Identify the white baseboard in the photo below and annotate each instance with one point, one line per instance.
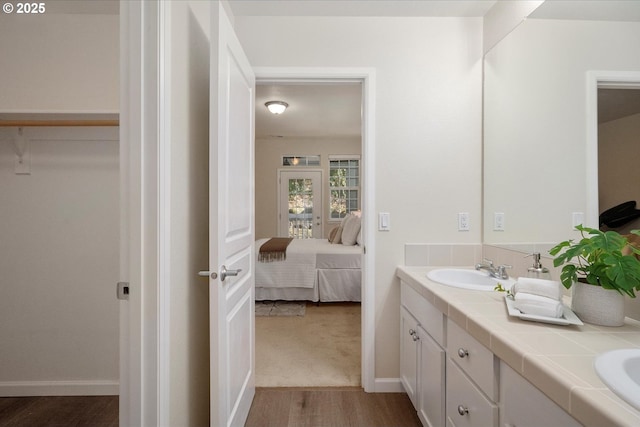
(58, 388)
(388, 385)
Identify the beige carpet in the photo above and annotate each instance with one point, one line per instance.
(319, 349)
(280, 308)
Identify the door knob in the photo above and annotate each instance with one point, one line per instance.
(207, 273)
(224, 273)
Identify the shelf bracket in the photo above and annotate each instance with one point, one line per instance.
(21, 146)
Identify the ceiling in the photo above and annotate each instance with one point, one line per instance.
(84, 7)
(459, 8)
(614, 104)
(315, 110)
(591, 10)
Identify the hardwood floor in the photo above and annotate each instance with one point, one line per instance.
(59, 411)
(310, 407)
(272, 407)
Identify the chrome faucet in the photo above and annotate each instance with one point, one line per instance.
(499, 272)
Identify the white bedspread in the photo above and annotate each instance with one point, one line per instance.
(304, 256)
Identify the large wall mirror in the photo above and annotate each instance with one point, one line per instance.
(540, 129)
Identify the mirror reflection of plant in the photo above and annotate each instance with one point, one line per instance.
(600, 258)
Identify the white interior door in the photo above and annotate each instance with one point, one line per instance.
(231, 233)
(300, 204)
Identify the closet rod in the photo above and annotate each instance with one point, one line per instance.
(35, 123)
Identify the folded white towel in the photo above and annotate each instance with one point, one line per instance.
(538, 305)
(544, 288)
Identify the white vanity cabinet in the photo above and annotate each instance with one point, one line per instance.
(472, 380)
(422, 357)
(523, 405)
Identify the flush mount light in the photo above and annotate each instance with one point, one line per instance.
(276, 107)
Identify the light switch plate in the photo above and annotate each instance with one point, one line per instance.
(384, 221)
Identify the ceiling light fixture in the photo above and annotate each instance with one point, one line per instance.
(276, 107)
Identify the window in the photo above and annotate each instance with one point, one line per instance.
(300, 160)
(344, 186)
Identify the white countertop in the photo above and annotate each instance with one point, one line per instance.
(556, 359)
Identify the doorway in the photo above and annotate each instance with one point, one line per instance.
(599, 81)
(618, 127)
(363, 78)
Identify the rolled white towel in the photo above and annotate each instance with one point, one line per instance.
(544, 288)
(538, 305)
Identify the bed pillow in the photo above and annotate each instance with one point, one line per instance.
(337, 238)
(334, 236)
(350, 230)
(359, 238)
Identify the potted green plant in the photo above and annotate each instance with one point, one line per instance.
(602, 267)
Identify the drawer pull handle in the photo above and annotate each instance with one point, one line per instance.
(416, 337)
(462, 410)
(412, 332)
(462, 353)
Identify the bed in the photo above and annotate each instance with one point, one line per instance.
(313, 270)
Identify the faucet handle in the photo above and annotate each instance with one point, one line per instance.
(502, 271)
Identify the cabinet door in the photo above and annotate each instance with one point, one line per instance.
(409, 354)
(431, 396)
(523, 405)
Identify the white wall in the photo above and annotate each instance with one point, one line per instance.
(428, 127)
(59, 63)
(59, 263)
(59, 225)
(270, 152)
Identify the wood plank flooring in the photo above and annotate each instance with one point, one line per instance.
(272, 407)
(59, 411)
(311, 407)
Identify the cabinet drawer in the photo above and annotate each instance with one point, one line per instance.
(474, 358)
(429, 317)
(466, 405)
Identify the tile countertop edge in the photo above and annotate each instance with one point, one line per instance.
(582, 401)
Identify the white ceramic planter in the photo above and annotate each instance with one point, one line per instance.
(596, 305)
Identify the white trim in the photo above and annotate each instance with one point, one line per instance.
(367, 77)
(59, 388)
(343, 157)
(164, 213)
(389, 385)
(139, 128)
(595, 80)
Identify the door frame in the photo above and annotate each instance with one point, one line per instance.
(367, 77)
(280, 195)
(145, 173)
(595, 80)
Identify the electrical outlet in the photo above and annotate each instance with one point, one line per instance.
(463, 221)
(498, 221)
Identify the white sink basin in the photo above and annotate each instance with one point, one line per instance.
(467, 279)
(620, 371)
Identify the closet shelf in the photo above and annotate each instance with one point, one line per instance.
(36, 123)
(20, 120)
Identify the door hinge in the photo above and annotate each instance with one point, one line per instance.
(122, 291)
